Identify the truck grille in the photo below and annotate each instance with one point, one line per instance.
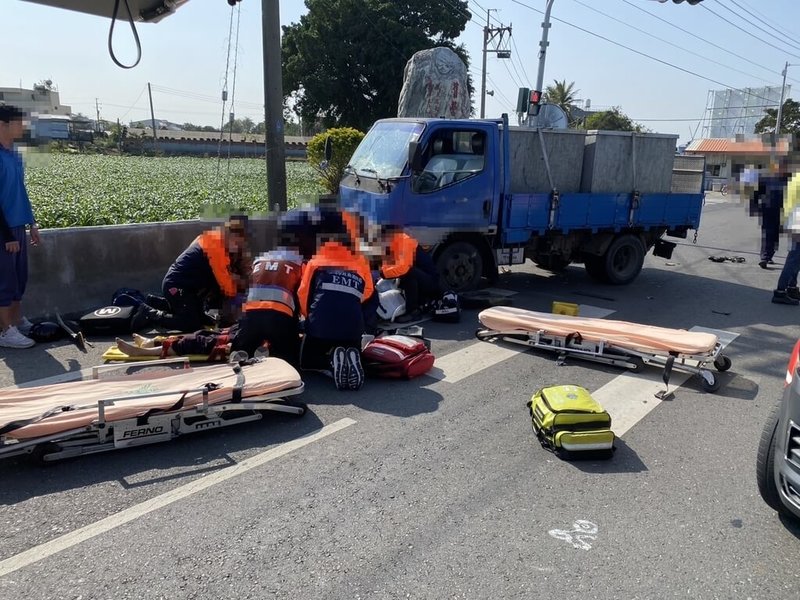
(793, 445)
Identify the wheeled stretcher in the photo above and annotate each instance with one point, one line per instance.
(141, 404)
(618, 343)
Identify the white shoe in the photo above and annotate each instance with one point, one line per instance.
(25, 326)
(12, 338)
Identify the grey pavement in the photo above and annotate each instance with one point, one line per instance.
(440, 490)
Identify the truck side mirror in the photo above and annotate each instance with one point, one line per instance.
(415, 157)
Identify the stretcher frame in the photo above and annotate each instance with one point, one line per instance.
(616, 355)
(104, 436)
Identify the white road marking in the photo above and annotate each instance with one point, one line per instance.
(492, 291)
(581, 531)
(594, 312)
(61, 378)
(64, 542)
(629, 397)
(469, 360)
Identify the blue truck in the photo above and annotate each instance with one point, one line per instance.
(481, 194)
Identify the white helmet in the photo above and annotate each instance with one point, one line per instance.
(391, 304)
(384, 285)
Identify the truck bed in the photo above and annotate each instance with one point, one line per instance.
(535, 214)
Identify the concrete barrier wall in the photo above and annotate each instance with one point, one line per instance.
(77, 269)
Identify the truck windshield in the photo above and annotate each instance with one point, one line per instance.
(384, 151)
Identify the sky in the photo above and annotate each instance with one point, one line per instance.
(690, 50)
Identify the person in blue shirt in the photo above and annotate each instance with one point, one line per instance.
(15, 215)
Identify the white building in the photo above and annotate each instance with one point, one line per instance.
(38, 100)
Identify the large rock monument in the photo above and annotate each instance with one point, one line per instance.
(435, 85)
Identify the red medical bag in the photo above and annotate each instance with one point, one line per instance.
(397, 357)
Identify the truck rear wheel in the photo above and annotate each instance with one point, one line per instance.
(460, 267)
(623, 260)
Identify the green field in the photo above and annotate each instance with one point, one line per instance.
(70, 190)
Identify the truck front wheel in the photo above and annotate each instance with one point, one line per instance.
(460, 267)
(623, 260)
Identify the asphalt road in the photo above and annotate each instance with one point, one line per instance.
(436, 487)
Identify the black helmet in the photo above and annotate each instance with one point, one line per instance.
(46, 331)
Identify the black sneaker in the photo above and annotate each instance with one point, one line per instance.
(341, 370)
(763, 264)
(782, 297)
(793, 293)
(356, 371)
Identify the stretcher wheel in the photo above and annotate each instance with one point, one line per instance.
(483, 334)
(714, 385)
(300, 405)
(722, 363)
(638, 364)
(40, 451)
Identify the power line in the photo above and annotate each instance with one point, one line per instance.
(639, 52)
(768, 32)
(521, 64)
(511, 75)
(772, 23)
(144, 87)
(202, 97)
(496, 20)
(694, 119)
(500, 93)
(701, 39)
(763, 41)
(674, 45)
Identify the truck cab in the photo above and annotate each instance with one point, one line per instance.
(438, 179)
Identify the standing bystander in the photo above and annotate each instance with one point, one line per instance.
(787, 291)
(15, 214)
(770, 194)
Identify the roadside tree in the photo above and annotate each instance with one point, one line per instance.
(562, 95)
(790, 118)
(344, 141)
(348, 56)
(612, 120)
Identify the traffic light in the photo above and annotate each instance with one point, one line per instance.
(535, 100)
(692, 2)
(522, 100)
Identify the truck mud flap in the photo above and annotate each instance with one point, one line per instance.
(664, 249)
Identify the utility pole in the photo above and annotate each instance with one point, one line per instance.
(543, 44)
(489, 34)
(780, 106)
(97, 122)
(152, 117)
(273, 104)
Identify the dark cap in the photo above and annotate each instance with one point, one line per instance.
(10, 113)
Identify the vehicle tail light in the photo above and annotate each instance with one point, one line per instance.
(791, 369)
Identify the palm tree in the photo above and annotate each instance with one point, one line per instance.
(562, 95)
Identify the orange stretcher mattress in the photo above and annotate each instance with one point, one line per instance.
(621, 334)
(66, 406)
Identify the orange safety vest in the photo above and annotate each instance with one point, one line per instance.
(274, 282)
(402, 251)
(213, 245)
(333, 254)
